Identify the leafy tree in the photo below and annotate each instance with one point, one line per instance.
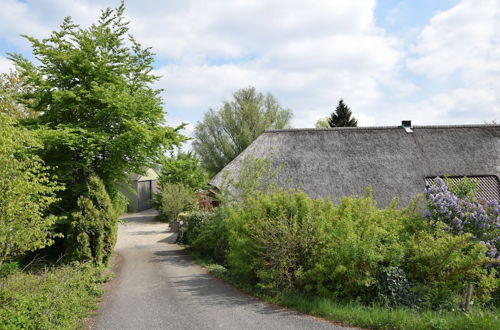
(322, 123)
(342, 117)
(98, 112)
(183, 168)
(12, 85)
(26, 191)
(225, 133)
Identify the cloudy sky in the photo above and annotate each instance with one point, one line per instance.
(431, 61)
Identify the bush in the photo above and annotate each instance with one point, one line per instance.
(26, 193)
(274, 239)
(93, 229)
(57, 298)
(192, 227)
(173, 199)
(208, 235)
(362, 241)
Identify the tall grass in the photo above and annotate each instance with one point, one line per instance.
(378, 317)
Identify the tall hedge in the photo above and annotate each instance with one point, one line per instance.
(93, 229)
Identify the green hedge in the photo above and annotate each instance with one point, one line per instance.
(285, 241)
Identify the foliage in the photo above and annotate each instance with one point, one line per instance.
(183, 168)
(194, 222)
(225, 133)
(440, 264)
(98, 112)
(464, 187)
(26, 192)
(256, 175)
(322, 123)
(275, 238)
(342, 117)
(58, 298)
(12, 85)
(362, 240)
(208, 235)
(217, 270)
(173, 199)
(393, 288)
(284, 240)
(93, 229)
(8, 268)
(464, 214)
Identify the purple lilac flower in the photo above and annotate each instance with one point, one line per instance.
(461, 215)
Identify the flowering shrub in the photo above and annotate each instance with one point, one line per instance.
(465, 214)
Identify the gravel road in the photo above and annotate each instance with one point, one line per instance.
(158, 287)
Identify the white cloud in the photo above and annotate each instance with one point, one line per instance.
(461, 48)
(463, 40)
(5, 65)
(307, 54)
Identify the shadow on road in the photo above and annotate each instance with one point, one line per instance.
(209, 290)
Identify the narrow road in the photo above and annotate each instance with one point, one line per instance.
(158, 287)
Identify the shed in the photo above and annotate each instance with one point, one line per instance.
(143, 186)
(396, 161)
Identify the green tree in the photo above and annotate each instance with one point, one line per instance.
(342, 117)
(26, 191)
(225, 133)
(183, 168)
(322, 123)
(12, 85)
(98, 112)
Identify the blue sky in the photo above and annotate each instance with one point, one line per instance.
(431, 61)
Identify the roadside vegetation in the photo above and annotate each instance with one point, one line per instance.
(73, 125)
(354, 262)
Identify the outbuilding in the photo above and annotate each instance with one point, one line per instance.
(143, 186)
(396, 161)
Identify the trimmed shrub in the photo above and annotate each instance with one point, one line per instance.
(93, 229)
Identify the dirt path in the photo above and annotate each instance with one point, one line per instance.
(158, 287)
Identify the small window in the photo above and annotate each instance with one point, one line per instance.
(489, 185)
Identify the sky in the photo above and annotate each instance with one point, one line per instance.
(430, 61)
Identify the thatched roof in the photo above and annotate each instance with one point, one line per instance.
(340, 162)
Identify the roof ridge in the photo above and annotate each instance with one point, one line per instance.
(380, 127)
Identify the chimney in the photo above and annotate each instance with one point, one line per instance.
(407, 126)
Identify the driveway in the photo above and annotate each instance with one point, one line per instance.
(157, 286)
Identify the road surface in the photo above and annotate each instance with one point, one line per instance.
(157, 286)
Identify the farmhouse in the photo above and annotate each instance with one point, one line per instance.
(395, 161)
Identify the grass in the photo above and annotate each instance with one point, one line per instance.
(53, 298)
(356, 314)
(377, 317)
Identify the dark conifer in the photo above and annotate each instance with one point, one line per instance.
(342, 117)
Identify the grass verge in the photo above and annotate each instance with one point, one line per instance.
(377, 317)
(356, 314)
(54, 298)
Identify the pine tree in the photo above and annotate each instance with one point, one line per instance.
(342, 117)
